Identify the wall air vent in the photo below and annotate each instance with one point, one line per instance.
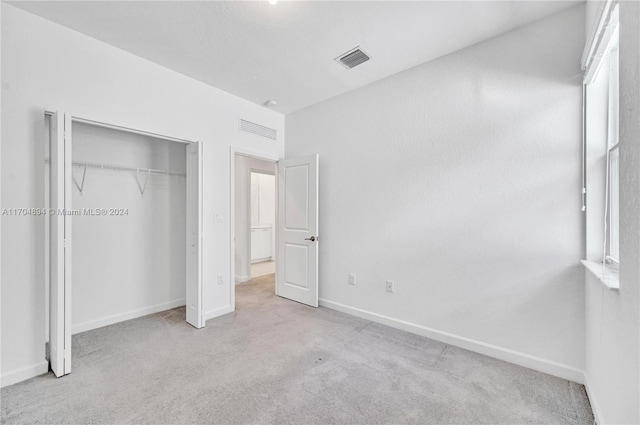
(352, 58)
(257, 129)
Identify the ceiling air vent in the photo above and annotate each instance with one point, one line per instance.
(257, 129)
(353, 58)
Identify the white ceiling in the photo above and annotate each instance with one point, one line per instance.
(286, 52)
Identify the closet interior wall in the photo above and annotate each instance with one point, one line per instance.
(132, 261)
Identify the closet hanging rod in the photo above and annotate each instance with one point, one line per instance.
(122, 168)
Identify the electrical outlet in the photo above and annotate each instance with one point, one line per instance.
(217, 218)
(389, 285)
(220, 279)
(352, 278)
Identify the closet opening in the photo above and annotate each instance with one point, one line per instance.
(123, 226)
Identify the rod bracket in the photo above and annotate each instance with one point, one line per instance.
(142, 186)
(81, 185)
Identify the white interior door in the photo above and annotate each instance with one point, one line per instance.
(194, 235)
(60, 245)
(297, 261)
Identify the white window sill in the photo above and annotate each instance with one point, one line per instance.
(608, 276)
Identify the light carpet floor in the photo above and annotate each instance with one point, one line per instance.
(280, 362)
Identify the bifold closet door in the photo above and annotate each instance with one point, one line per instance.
(60, 248)
(194, 235)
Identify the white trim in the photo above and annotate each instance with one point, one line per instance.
(125, 129)
(241, 279)
(607, 275)
(522, 359)
(116, 318)
(261, 260)
(600, 40)
(595, 408)
(596, 29)
(24, 373)
(217, 312)
(253, 154)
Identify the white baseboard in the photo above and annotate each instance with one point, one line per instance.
(217, 312)
(116, 318)
(261, 260)
(594, 403)
(522, 359)
(23, 374)
(240, 279)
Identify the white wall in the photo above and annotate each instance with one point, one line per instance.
(244, 165)
(47, 66)
(266, 208)
(612, 366)
(592, 11)
(267, 213)
(128, 265)
(460, 180)
(255, 200)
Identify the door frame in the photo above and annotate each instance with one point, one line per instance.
(233, 151)
(47, 227)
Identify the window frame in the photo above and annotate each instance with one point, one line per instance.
(612, 213)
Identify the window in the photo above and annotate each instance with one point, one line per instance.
(612, 231)
(601, 151)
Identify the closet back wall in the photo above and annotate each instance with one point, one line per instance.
(127, 265)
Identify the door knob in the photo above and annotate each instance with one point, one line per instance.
(312, 239)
